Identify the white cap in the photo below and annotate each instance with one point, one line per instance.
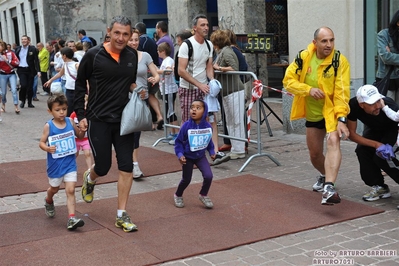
(368, 94)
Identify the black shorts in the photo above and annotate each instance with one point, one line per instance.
(102, 136)
(320, 124)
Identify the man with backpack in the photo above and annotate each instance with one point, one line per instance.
(195, 68)
(320, 80)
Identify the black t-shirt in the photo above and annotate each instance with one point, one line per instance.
(377, 123)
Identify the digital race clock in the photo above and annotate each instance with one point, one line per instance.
(256, 42)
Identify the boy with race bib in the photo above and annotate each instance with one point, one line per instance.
(194, 138)
(58, 140)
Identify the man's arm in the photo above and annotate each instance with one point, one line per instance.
(84, 71)
(292, 82)
(353, 136)
(342, 88)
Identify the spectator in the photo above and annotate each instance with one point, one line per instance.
(388, 56)
(148, 45)
(194, 74)
(28, 67)
(83, 38)
(163, 36)
(234, 95)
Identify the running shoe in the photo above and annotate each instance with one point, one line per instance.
(74, 223)
(49, 209)
(221, 157)
(87, 188)
(125, 223)
(330, 196)
(206, 201)
(137, 173)
(319, 185)
(377, 192)
(179, 203)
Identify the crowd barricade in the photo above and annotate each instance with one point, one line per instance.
(236, 110)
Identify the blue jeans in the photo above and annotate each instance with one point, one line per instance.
(4, 79)
(35, 87)
(63, 82)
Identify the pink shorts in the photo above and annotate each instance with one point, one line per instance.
(82, 144)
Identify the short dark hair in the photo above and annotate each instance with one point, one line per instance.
(68, 52)
(82, 31)
(61, 43)
(123, 20)
(196, 18)
(162, 25)
(141, 27)
(56, 98)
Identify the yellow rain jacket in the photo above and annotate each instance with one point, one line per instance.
(336, 89)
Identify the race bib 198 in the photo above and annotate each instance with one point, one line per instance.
(65, 144)
(199, 138)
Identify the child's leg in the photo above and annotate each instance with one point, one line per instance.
(87, 154)
(187, 174)
(71, 200)
(70, 184)
(204, 167)
(51, 191)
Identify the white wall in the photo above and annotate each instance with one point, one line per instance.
(344, 17)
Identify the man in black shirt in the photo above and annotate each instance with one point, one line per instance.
(367, 107)
(111, 70)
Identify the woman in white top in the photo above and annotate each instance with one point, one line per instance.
(70, 70)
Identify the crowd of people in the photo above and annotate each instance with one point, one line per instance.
(96, 82)
(87, 86)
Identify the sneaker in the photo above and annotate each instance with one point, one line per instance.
(74, 223)
(170, 136)
(330, 196)
(179, 203)
(221, 157)
(1, 119)
(206, 201)
(319, 185)
(172, 141)
(235, 156)
(49, 209)
(376, 193)
(125, 223)
(137, 173)
(44, 93)
(87, 188)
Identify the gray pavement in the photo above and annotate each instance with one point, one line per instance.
(19, 142)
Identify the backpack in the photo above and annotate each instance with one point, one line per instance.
(334, 62)
(93, 42)
(190, 54)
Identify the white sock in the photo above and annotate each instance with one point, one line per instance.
(135, 163)
(119, 213)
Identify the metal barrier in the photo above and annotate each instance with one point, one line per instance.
(236, 99)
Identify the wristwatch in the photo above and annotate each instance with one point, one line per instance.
(342, 119)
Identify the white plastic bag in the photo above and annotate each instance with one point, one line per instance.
(56, 88)
(136, 116)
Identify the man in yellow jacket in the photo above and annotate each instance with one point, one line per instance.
(322, 92)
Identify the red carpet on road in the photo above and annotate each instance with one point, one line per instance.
(30, 176)
(247, 209)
